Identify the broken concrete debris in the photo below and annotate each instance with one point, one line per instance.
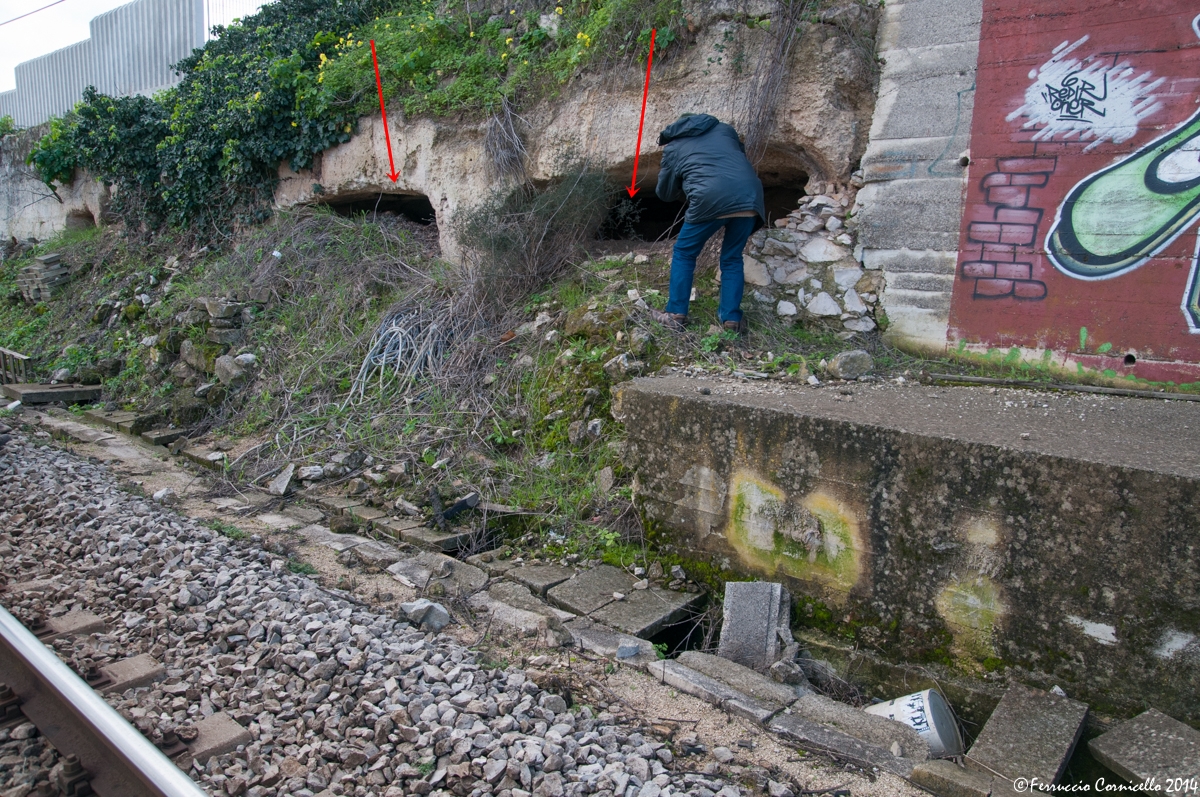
(1031, 734)
(1151, 745)
(757, 616)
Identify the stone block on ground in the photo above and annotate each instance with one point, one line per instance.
(1030, 734)
(216, 735)
(711, 690)
(337, 503)
(754, 614)
(1151, 745)
(879, 731)
(426, 614)
(140, 670)
(590, 590)
(817, 737)
(304, 514)
(540, 578)
(75, 623)
(851, 364)
(645, 612)
(948, 779)
(743, 679)
(280, 484)
(342, 542)
(428, 569)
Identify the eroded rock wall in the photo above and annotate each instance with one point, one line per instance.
(28, 208)
(823, 116)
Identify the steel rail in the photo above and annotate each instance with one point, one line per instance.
(120, 762)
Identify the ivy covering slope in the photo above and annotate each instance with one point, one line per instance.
(291, 81)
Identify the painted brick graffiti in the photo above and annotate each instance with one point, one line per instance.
(1005, 241)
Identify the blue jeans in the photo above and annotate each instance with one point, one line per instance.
(683, 264)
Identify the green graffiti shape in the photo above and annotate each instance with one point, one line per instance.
(1117, 218)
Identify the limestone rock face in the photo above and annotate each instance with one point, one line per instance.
(824, 114)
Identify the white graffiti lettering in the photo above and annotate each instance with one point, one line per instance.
(1092, 99)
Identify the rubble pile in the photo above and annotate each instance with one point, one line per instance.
(39, 282)
(808, 267)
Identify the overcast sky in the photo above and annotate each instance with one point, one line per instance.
(45, 31)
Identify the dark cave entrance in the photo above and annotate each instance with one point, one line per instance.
(414, 207)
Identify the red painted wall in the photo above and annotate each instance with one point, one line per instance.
(1076, 102)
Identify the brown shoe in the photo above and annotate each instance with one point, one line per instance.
(675, 321)
(738, 328)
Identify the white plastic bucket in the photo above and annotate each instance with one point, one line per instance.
(928, 714)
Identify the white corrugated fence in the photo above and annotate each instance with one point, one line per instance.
(130, 51)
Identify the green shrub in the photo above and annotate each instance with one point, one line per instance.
(7, 125)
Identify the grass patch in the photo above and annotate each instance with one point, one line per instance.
(227, 530)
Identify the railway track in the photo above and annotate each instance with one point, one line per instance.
(105, 755)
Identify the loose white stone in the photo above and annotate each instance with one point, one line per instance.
(824, 305)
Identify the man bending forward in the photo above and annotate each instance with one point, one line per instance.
(704, 161)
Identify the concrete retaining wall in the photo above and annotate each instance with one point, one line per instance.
(28, 208)
(928, 529)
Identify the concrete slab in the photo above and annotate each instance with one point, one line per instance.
(342, 542)
(395, 527)
(743, 679)
(44, 394)
(141, 670)
(509, 618)
(1030, 734)
(337, 503)
(520, 596)
(489, 563)
(755, 611)
(879, 731)
(162, 437)
(216, 735)
(947, 779)
(278, 521)
(76, 623)
(1151, 745)
(304, 514)
(435, 540)
(377, 554)
(540, 578)
(646, 612)
(815, 736)
(679, 676)
(427, 568)
(366, 514)
(112, 419)
(590, 590)
(599, 638)
(205, 458)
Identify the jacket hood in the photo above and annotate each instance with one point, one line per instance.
(696, 125)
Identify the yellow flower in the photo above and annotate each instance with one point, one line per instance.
(558, 10)
(257, 95)
(294, 124)
(472, 34)
(513, 11)
(347, 128)
(508, 40)
(503, 56)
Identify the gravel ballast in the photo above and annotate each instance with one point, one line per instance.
(335, 697)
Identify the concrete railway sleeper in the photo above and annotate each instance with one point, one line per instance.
(107, 755)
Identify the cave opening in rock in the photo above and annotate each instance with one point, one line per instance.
(414, 207)
(645, 217)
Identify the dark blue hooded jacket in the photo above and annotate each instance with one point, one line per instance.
(704, 161)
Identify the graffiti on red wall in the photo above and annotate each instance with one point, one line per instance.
(1084, 183)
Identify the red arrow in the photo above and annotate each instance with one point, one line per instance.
(395, 175)
(633, 189)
